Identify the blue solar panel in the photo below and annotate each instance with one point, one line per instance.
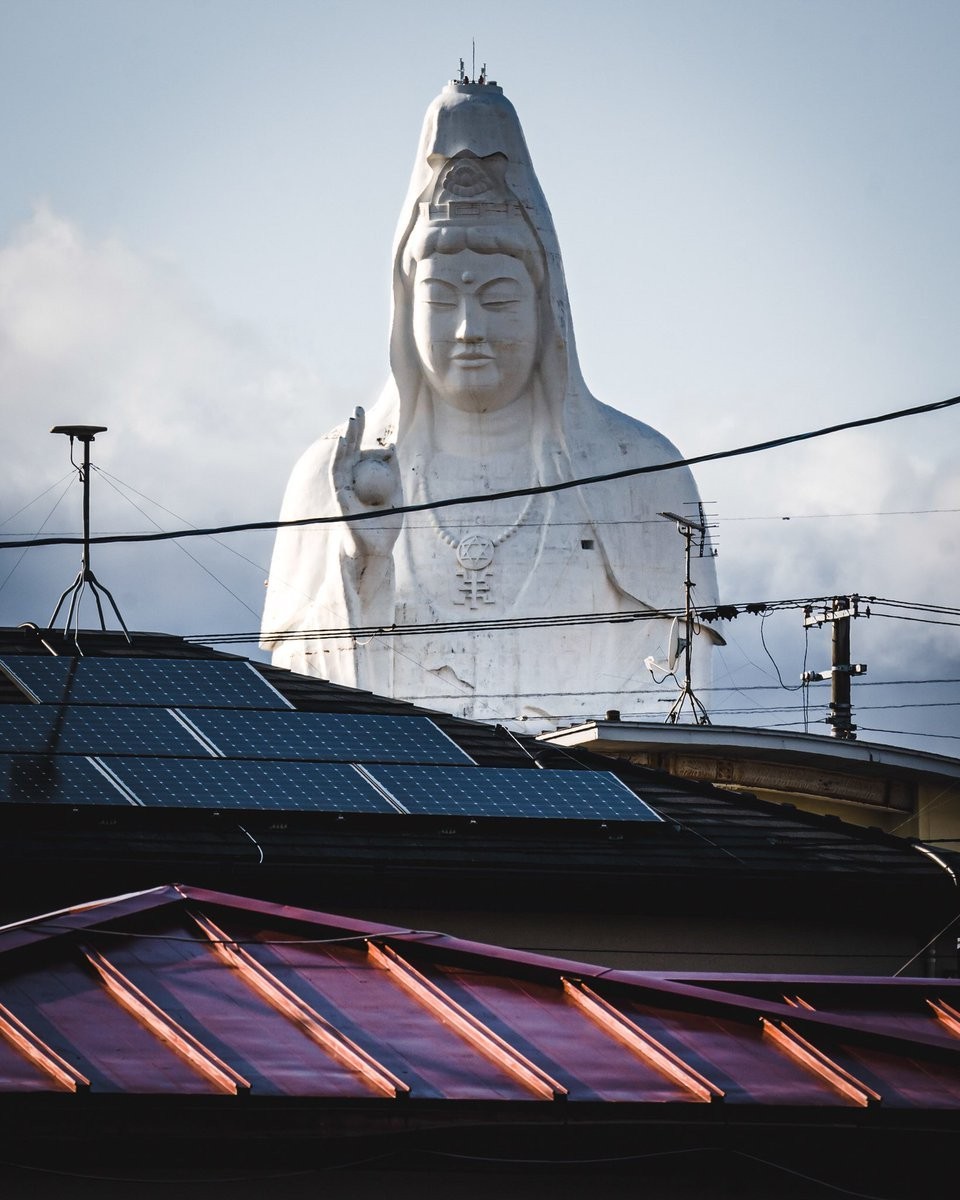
(56, 779)
(155, 682)
(327, 737)
(94, 729)
(274, 786)
(509, 792)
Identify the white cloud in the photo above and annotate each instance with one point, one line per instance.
(203, 418)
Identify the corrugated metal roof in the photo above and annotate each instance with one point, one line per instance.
(183, 992)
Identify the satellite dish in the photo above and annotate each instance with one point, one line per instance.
(674, 646)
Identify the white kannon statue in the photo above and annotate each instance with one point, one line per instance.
(485, 395)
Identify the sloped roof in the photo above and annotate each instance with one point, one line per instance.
(182, 992)
(707, 837)
(185, 991)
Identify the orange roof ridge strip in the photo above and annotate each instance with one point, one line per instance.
(643, 1044)
(809, 1056)
(744, 1007)
(80, 918)
(282, 998)
(799, 1002)
(947, 1015)
(39, 1053)
(163, 1026)
(464, 1023)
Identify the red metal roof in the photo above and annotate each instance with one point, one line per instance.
(182, 992)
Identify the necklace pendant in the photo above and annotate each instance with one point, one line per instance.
(474, 591)
(475, 556)
(475, 552)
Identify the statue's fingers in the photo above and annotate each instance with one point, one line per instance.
(339, 457)
(353, 434)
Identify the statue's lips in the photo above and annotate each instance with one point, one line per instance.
(472, 360)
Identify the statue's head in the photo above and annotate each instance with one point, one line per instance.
(474, 270)
(480, 307)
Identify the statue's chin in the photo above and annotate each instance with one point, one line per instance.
(477, 400)
(476, 404)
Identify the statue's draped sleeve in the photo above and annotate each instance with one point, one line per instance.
(316, 584)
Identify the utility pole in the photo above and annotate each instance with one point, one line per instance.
(843, 610)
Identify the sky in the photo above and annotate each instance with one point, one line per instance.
(756, 202)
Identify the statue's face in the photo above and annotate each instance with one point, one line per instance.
(475, 328)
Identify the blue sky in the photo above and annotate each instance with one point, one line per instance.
(756, 201)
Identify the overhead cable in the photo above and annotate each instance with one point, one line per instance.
(707, 617)
(488, 497)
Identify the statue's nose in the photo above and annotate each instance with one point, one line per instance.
(471, 327)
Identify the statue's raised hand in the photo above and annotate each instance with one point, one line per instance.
(364, 481)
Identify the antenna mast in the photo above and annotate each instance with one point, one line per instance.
(687, 528)
(84, 434)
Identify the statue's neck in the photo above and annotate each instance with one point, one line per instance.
(482, 436)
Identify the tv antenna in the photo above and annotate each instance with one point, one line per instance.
(473, 77)
(684, 645)
(84, 434)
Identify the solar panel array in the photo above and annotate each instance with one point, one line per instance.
(214, 734)
(96, 729)
(51, 779)
(507, 792)
(154, 682)
(329, 737)
(225, 784)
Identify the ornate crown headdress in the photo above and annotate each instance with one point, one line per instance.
(469, 189)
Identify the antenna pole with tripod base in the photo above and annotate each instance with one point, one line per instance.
(84, 434)
(687, 528)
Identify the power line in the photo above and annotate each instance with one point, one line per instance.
(118, 484)
(707, 617)
(535, 524)
(489, 497)
(917, 606)
(917, 620)
(893, 512)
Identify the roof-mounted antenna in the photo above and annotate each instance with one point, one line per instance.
(687, 529)
(84, 434)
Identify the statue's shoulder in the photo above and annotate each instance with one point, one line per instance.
(308, 488)
(616, 438)
(318, 455)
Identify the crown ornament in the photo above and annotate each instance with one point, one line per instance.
(468, 189)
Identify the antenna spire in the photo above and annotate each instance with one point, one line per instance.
(84, 434)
